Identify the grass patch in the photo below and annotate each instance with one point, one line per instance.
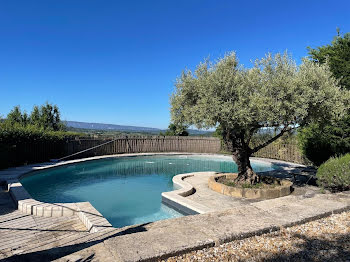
(266, 182)
(229, 183)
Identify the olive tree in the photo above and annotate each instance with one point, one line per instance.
(274, 93)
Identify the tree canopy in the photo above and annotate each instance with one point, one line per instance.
(275, 92)
(16, 116)
(175, 130)
(337, 54)
(319, 141)
(46, 116)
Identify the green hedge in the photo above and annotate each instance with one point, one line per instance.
(320, 142)
(24, 145)
(334, 174)
(19, 134)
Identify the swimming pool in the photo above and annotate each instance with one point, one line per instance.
(125, 190)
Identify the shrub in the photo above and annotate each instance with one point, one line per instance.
(16, 133)
(334, 174)
(28, 144)
(35, 138)
(320, 142)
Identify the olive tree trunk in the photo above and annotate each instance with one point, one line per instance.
(245, 171)
(236, 144)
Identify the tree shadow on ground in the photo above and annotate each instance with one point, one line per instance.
(315, 249)
(59, 252)
(6, 203)
(300, 176)
(4, 210)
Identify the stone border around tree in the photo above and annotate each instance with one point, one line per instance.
(252, 193)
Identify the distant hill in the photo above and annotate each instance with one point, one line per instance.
(121, 128)
(111, 127)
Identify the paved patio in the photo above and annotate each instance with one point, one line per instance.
(209, 198)
(21, 233)
(29, 238)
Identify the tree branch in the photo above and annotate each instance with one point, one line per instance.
(251, 133)
(284, 130)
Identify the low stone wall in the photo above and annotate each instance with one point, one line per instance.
(253, 193)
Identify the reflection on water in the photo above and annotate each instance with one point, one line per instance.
(125, 190)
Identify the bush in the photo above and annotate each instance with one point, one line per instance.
(320, 142)
(334, 174)
(17, 133)
(29, 144)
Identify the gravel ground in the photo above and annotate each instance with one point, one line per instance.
(326, 239)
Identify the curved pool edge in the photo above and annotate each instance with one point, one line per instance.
(177, 200)
(91, 217)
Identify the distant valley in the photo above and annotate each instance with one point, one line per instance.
(75, 125)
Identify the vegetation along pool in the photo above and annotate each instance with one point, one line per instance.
(126, 190)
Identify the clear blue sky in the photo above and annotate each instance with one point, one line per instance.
(116, 61)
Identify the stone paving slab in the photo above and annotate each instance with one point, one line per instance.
(175, 236)
(22, 233)
(209, 198)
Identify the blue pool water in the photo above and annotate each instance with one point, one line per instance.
(126, 190)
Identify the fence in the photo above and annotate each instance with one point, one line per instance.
(14, 155)
(288, 151)
(143, 145)
(30, 152)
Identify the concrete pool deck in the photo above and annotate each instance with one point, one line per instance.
(225, 219)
